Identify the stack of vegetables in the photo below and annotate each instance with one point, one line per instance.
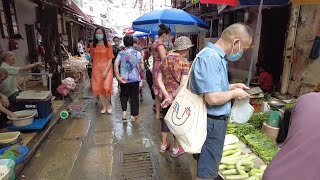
(262, 146)
(235, 165)
(240, 130)
(258, 142)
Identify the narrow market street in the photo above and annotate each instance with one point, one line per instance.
(85, 86)
(90, 147)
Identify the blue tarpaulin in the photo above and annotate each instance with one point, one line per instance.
(265, 2)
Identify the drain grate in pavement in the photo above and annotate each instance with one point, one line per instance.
(137, 166)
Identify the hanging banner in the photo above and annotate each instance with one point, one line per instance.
(221, 7)
(226, 2)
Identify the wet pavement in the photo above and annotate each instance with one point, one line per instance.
(92, 146)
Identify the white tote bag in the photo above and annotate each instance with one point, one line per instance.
(187, 119)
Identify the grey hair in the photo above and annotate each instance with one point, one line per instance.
(237, 31)
(4, 55)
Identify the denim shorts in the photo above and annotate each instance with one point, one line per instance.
(211, 152)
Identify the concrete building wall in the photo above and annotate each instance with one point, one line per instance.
(305, 73)
(26, 14)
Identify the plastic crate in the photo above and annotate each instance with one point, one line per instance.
(44, 108)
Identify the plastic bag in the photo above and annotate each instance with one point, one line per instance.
(5, 165)
(241, 111)
(69, 83)
(265, 107)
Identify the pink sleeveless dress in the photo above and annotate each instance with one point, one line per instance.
(156, 66)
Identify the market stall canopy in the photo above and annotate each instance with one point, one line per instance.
(178, 20)
(80, 12)
(300, 2)
(257, 2)
(265, 2)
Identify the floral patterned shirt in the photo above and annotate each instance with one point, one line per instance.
(130, 60)
(172, 69)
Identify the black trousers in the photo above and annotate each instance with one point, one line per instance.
(150, 82)
(284, 126)
(130, 90)
(164, 127)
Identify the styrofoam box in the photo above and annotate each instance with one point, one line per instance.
(38, 95)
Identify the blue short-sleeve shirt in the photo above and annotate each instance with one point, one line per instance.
(210, 74)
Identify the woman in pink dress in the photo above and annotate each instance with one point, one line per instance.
(159, 53)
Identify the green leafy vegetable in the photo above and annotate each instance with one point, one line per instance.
(262, 146)
(290, 104)
(240, 130)
(257, 119)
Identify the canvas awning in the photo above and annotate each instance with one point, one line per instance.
(73, 8)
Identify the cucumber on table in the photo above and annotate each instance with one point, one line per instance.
(222, 167)
(237, 177)
(243, 163)
(231, 146)
(229, 172)
(228, 152)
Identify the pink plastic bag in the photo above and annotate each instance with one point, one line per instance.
(63, 90)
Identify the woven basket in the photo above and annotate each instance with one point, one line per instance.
(270, 131)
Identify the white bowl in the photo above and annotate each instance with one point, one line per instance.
(9, 137)
(25, 118)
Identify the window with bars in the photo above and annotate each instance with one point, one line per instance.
(9, 24)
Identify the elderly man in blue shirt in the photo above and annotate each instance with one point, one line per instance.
(210, 77)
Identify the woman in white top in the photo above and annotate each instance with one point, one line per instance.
(80, 47)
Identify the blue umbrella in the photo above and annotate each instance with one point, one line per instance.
(139, 34)
(178, 20)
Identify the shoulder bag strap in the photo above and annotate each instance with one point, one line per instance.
(188, 84)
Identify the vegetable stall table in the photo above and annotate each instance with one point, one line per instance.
(228, 170)
(246, 154)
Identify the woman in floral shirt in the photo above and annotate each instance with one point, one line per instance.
(131, 64)
(173, 75)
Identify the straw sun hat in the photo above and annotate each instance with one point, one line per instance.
(182, 43)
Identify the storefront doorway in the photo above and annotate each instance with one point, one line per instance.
(272, 42)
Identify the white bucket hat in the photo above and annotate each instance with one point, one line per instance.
(182, 43)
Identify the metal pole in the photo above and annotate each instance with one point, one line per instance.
(152, 5)
(255, 50)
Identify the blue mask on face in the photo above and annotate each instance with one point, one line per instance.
(235, 56)
(99, 37)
